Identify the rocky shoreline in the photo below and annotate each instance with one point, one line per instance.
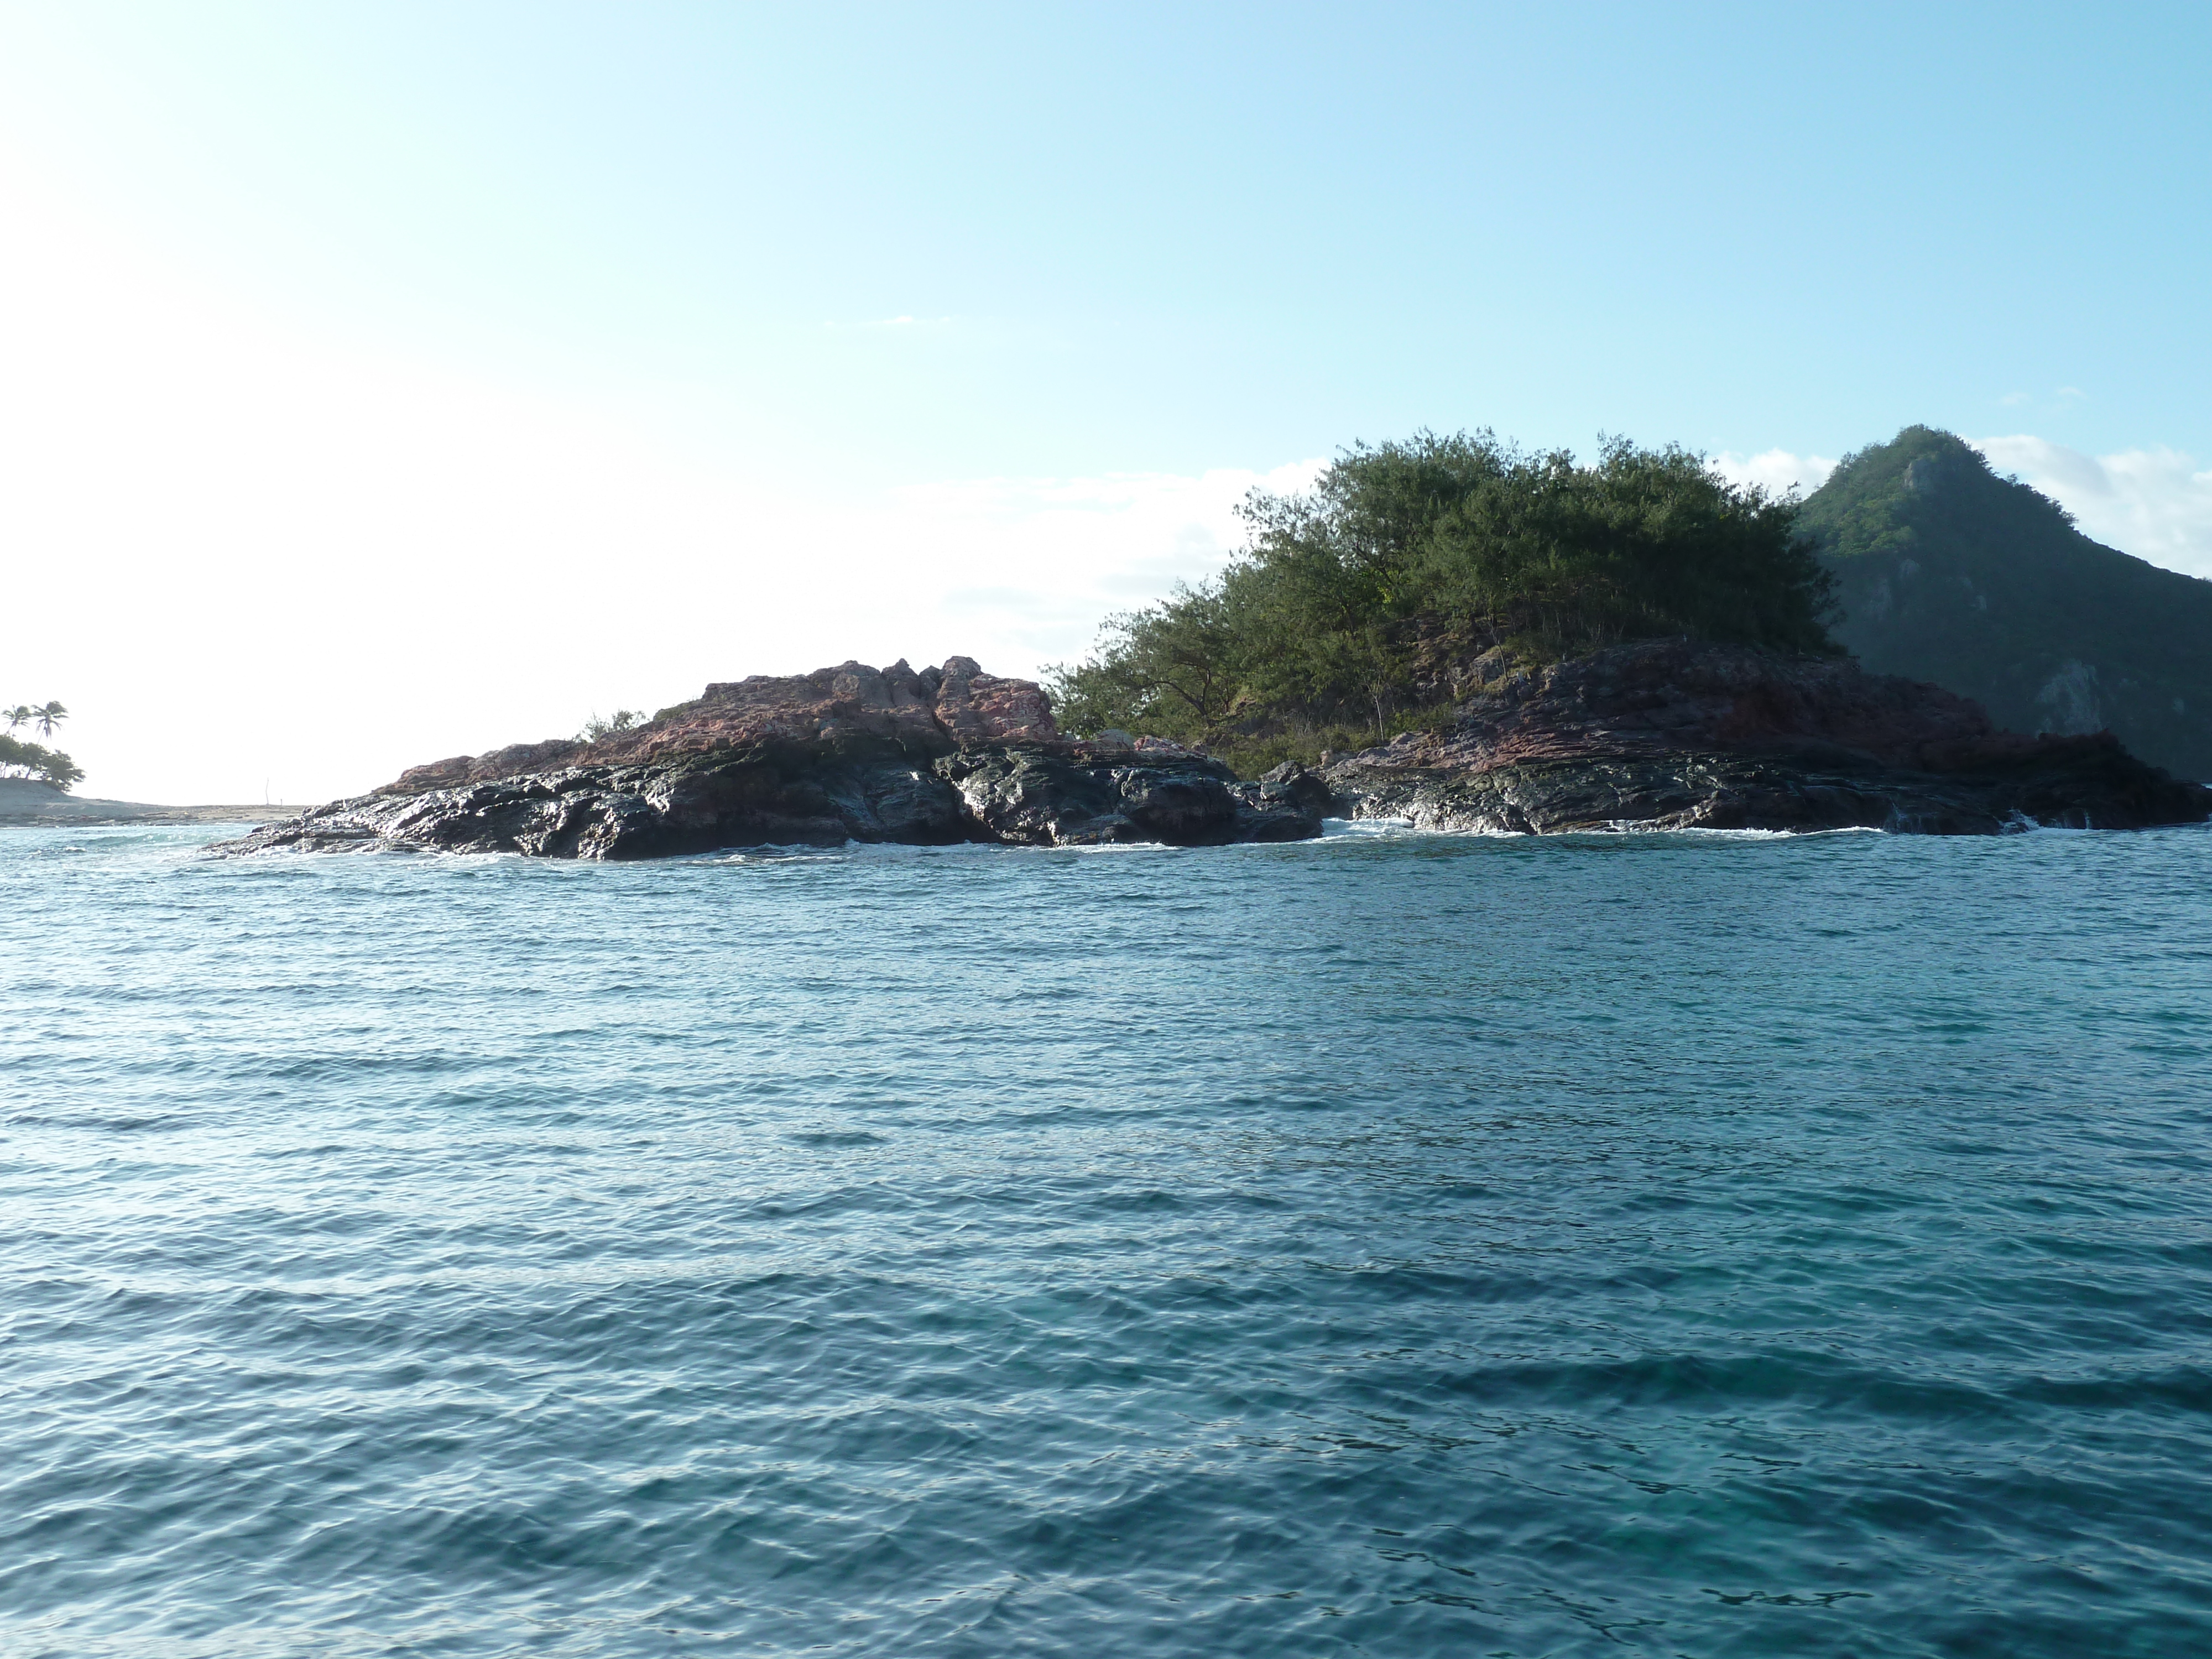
(1658, 735)
(1668, 734)
(850, 753)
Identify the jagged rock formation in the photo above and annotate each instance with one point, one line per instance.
(1669, 735)
(850, 753)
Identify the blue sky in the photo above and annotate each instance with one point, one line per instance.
(852, 323)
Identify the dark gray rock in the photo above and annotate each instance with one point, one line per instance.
(1297, 785)
(1041, 798)
(849, 753)
(805, 795)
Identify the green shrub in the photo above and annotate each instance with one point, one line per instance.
(1413, 570)
(19, 759)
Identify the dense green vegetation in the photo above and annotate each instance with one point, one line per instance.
(20, 759)
(1947, 571)
(1415, 572)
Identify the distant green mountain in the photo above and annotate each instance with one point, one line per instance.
(1947, 571)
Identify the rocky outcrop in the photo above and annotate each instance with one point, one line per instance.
(929, 713)
(849, 753)
(1659, 735)
(1668, 734)
(1036, 797)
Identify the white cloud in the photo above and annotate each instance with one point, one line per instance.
(1775, 471)
(242, 552)
(2154, 503)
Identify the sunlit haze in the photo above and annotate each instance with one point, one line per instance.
(384, 383)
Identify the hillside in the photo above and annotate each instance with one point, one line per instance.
(1945, 571)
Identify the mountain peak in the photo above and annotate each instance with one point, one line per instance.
(1931, 464)
(1947, 571)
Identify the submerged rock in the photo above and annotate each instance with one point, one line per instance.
(1669, 735)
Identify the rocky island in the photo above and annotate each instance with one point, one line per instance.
(1657, 734)
(850, 753)
(1450, 631)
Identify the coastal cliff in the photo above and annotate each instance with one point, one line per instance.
(1660, 734)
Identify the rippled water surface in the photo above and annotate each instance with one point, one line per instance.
(1391, 1245)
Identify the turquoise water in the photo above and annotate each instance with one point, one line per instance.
(1390, 1245)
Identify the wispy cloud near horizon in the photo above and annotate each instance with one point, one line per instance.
(2154, 503)
(366, 560)
(1775, 471)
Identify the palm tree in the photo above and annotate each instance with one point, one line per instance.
(47, 717)
(20, 713)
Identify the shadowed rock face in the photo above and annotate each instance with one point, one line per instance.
(1668, 734)
(849, 753)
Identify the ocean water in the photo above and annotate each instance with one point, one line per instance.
(1391, 1245)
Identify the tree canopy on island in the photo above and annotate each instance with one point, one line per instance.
(1413, 571)
(19, 759)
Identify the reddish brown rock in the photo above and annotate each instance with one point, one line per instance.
(1666, 694)
(975, 707)
(931, 712)
(1670, 734)
(514, 759)
(851, 702)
